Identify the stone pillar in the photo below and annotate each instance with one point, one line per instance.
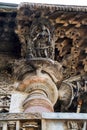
(38, 78)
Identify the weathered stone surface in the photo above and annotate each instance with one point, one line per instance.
(16, 105)
(64, 26)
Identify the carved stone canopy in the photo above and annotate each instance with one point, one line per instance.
(49, 31)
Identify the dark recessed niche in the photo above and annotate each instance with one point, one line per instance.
(9, 41)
